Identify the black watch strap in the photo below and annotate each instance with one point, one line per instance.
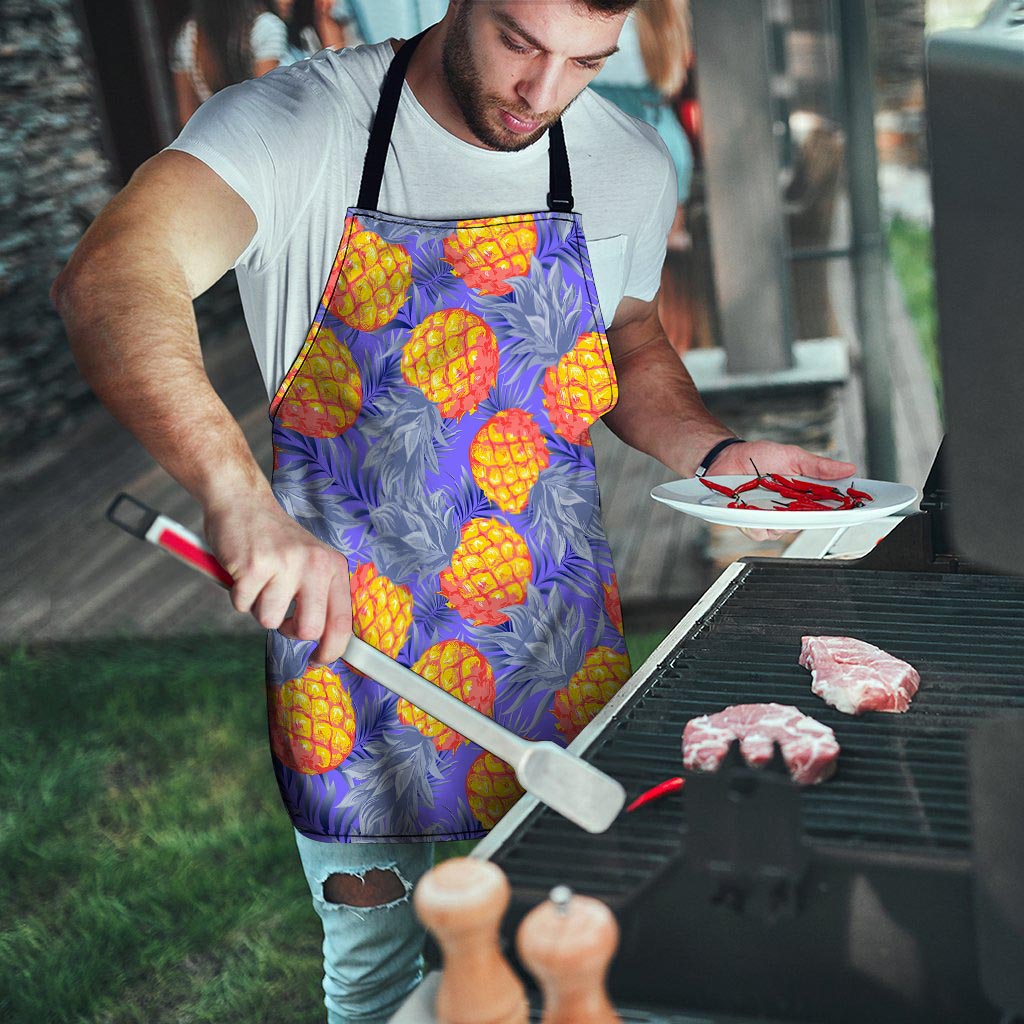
(705, 463)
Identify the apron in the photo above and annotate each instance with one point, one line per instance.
(435, 429)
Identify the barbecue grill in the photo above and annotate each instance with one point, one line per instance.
(893, 892)
(848, 901)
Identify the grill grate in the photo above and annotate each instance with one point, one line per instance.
(902, 779)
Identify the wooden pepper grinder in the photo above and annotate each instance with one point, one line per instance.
(567, 943)
(462, 901)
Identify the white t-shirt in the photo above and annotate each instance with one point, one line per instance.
(292, 144)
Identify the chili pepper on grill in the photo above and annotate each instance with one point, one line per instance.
(656, 793)
(720, 488)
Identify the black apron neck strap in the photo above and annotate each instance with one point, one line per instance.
(383, 123)
(559, 197)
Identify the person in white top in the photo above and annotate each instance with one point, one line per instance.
(314, 25)
(221, 43)
(477, 124)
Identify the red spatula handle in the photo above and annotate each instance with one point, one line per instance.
(147, 524)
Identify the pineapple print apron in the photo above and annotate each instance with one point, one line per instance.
(435, 429)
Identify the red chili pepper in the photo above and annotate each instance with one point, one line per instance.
(656, 793)
(779, 488)
(863, 495)
(815, 490)
(749, 485)
(793, 485)
(787, 492)
(806, 505)
(720, 488)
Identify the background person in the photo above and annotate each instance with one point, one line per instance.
(647, 75)
(313, 25)
(224, 42)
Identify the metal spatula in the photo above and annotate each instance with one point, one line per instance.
(573, 788)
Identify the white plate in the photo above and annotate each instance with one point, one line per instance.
(693, 498)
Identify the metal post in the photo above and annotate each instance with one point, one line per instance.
(748, 236)
(868, 239)
(154, 64)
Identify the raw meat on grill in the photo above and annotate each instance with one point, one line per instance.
(855, 677)
(809, 748)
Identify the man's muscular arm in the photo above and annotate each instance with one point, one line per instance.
(660, 411)
(126, 300)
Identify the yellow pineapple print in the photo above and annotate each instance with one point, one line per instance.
(602, 674)
(491, 788)
(370, 279)
(506, 457)
(312, 722)
(325, 395)
(580, 388)
(489, 571)
(485, 252)
(452, 357)
(459, 669)
(381, 610)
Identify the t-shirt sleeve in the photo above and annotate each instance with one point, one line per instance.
(269, 38)
(650, 243)
(264, 138)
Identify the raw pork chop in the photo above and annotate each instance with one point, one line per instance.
(855, 677)
(809, 748)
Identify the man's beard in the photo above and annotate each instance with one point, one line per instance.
(463, 80)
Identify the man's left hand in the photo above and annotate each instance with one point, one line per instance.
(771, 457)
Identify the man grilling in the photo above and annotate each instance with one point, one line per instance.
(449, 253)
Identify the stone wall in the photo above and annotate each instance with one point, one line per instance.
(54, 178)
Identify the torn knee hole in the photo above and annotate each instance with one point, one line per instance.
(373, 889)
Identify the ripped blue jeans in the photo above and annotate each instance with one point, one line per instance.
(372, 953)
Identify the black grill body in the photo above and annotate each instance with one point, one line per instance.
(745, 895)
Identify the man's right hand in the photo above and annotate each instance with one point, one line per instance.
(163, 240)
(274, 562)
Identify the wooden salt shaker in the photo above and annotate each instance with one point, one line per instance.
(462, 901)
(567, 943)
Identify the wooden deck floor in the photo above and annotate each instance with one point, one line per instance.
(73, 575)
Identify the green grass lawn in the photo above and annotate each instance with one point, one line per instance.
(149, 872)
(910, 247)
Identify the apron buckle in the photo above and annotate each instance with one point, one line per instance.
(560, 204)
